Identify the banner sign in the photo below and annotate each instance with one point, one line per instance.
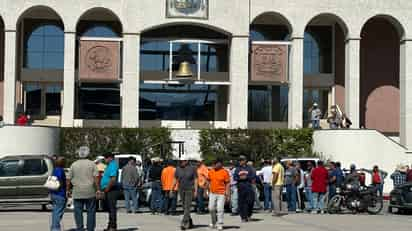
(269, 63)
(187, 9)
(99, 61)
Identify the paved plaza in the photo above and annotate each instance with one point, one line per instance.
(22, 220)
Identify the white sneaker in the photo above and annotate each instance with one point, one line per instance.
(212, 226)
(219, 227)
(314, 212)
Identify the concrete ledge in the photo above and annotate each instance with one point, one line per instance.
(29, 140)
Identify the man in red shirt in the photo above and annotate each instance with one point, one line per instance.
(319, 177)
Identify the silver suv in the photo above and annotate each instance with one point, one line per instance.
(22, 178)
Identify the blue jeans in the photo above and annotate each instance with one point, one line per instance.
(267, 193)
(59, 204)
(315, 124)
(90, 205)
(379, 188)
(332, 191)
(318, 200)
(309, 197)
(200, 200)
(291, 197)
(130, 193)
(156, 202)
(169, 202)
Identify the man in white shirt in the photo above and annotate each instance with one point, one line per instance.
(267, 175)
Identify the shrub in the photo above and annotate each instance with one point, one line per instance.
(146, 142)
(256, 144)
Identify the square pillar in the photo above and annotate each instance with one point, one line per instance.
(130, 84)
(67, 118)
(239, 78)
(406, 93)
(9, 109)
(352, 81)
(295, 109)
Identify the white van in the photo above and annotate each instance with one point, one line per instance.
(122, 160)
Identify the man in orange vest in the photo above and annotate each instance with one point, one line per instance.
(202, 176)
(169, 191)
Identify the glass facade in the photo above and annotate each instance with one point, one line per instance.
(99, 29)
(315, 95)
(98, 101)
(178, 102)
(43, 45)
(318, 44)
(260, 32)
(268, 103)
(209, 57)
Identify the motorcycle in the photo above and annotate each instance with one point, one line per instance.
(357, 199)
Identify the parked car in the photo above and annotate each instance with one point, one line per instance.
(401, 198)
(22, 178)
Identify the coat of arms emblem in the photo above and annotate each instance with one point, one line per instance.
(187, 8)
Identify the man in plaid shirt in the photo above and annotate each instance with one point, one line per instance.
(399, 176)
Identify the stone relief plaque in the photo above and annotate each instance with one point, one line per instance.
(269, 63)
(99, 61)
(187, 9)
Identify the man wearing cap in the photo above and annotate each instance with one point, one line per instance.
(186, 179)
(83, 179)
(109, 186)
(245, 176)
(315, 115)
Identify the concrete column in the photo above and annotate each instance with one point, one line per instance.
(406, 93)
(67, 119)
(9, 109)
(239, 77)
(295, 109)
(130, 85)
(352, 79)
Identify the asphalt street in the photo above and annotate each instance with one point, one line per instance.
(31, 218)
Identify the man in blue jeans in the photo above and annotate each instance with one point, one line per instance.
(130, 181)
(266, 176)
(155, 175)
(291, 177)
(83, 180)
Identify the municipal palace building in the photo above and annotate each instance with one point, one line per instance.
(192, 64)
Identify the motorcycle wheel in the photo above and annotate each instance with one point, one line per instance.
(335, 204)
(375, 206)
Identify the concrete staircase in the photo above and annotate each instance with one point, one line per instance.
(364, 148)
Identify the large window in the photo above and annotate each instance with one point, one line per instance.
(318, 50)
(99, 29)
(160, 59)
(268, 103)
(179, 102)
(261, 32)
(315, 95)
(43, 45)
(98, 101)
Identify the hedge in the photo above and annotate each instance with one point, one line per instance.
(256, 144)
(146, 142)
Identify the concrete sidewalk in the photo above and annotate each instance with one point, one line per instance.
(32, 220)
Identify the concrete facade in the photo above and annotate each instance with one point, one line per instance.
(233, 18)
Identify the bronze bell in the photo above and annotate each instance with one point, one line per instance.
(184, 70)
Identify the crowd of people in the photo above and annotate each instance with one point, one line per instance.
(239, 187)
